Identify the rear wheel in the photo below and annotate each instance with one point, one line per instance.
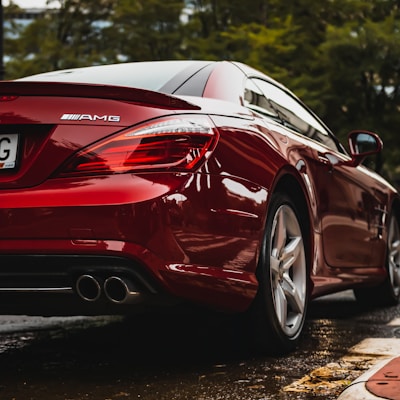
(388, 292)
(279, 309)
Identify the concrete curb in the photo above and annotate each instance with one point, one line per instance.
(357, 390)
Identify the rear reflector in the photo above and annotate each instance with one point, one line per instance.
(8, 97)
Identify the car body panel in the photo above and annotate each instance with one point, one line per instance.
(191, 235)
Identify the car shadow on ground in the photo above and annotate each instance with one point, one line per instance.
(338, 305)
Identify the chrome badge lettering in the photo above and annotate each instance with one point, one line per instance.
(90, 117)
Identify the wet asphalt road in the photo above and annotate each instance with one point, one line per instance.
(175, 357)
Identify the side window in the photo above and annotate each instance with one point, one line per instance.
(294, 115)
(255, 100)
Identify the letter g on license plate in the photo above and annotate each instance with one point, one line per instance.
(8, 150)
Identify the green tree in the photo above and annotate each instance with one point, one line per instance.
(341, 56)
(360, 66)
(145, 30)
(68, 36)
(211, 30)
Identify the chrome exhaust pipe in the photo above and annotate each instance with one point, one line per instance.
(121, 291)
(88, 288)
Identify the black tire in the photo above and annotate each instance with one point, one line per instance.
(388, 292)
(279, 309)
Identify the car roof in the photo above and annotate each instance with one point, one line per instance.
(164, 76)
(177, 77)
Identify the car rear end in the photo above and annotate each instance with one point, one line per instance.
(82, 170)
(108, 203)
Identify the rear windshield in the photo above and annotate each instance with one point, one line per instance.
(143, 75)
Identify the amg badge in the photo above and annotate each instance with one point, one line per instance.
(90, 117)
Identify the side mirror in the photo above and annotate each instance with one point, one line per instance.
(363, 144)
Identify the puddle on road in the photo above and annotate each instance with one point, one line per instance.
(16, 324)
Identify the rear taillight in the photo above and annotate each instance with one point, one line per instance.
(173, 144)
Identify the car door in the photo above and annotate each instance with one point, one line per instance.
(349, 201)
(352, 209)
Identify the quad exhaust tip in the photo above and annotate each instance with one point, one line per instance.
(116, 289)
(120, 290)
(88, 288)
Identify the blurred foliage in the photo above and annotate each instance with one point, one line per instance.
(342, 57)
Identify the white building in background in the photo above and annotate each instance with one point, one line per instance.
(22, 17)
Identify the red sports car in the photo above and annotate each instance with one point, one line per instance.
(150, 184)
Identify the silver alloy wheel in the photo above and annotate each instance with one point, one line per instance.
(394, 255)
(288, 270)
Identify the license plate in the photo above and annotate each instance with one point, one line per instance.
(8, 150)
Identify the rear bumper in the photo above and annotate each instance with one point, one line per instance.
(62, 283)
(188, 238)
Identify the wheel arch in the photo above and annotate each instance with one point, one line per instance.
(265, 324)
(386, 292)
(291, 186)
(396, 207)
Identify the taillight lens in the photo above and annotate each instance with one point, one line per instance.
(173, 144)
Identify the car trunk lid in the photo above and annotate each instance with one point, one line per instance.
(44, 123)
